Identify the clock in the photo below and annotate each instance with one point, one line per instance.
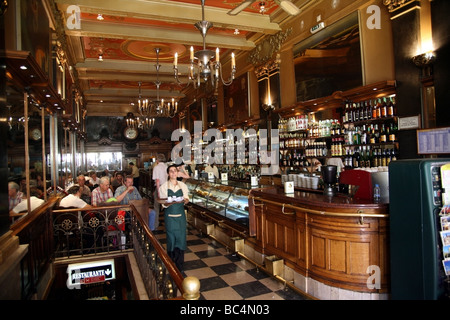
(36, 134)
(131, 133)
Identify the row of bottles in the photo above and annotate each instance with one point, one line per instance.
(292, 140)
(365, 134)
(371, 134)
(299, 122)
(324, 128)
(367, 110)
(293, 158)
(366, 157)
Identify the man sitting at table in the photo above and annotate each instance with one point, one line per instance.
(22, 207)
(73, 199)
(103, 193)
(131, 193)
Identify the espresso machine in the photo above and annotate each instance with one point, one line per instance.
(329, 180)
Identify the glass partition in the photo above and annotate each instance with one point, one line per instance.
(99, 161)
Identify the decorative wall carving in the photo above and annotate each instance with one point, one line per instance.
(266, 49)
(393, 5)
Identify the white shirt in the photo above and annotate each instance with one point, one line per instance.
(94, 181)
(23, 205)
(164, 189)
(72, 201)
(160, 172)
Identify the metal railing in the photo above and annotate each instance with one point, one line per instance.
(80, 232)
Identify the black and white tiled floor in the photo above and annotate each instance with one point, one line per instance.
(224, 275)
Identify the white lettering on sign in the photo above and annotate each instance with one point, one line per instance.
(374, 20)
(374, 280)
(91, 272)
(74, 20)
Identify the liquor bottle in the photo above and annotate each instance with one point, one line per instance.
(348, 159)
(364, 135)
(346, 117)
(393, 154)
(388, 157)
(374, 109)
(369, 157)
(391, 107)
(383, 157)
(379, 106)
(356, 158)
(384, 108)
(383, 135)
(337, 129)
(362, 159)
(392, 132)
(350, 112)
(379, 160)
(369, 110)
(376, 133)
(375, 158)
(357, 136)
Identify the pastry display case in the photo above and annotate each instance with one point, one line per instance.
(228, 199)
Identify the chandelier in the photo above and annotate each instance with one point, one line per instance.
(202, 65)
(151, 109)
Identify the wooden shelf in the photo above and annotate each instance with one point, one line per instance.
(372, 91)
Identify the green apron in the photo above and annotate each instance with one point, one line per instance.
(175, 226)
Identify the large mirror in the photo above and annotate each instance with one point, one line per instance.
(329, 60)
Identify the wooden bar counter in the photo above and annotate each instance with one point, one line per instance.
(339, 242)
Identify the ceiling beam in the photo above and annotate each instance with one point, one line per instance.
(116, 31)
(176, 12)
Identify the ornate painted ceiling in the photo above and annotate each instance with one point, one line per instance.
(130, 31)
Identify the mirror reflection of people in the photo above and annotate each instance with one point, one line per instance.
(22, 207)
(15, 196)
(174, 216)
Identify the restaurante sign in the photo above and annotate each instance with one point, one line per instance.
(90, 272)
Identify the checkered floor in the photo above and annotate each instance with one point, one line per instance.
(224, 275)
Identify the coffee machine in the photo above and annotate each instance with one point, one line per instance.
(329, 180)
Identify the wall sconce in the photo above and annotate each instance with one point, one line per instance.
(424, 59)
(425, 62)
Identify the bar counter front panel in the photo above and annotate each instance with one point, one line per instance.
(339, 241)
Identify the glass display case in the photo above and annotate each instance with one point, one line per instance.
(200, 194)
(237, 208)
(228, 199)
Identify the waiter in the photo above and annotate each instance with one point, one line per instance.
(174, 215)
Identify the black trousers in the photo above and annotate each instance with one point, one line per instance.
(177, 256)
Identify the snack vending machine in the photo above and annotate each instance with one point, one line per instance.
(419, 214)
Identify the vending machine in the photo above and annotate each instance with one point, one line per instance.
(419, 192)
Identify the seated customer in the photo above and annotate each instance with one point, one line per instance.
(117, 181)
(35, 202)
(84, 189)
(15, 196)
(102, 193)
(73, 199)
(128, 192)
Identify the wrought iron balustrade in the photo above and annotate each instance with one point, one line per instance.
(106, 229)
